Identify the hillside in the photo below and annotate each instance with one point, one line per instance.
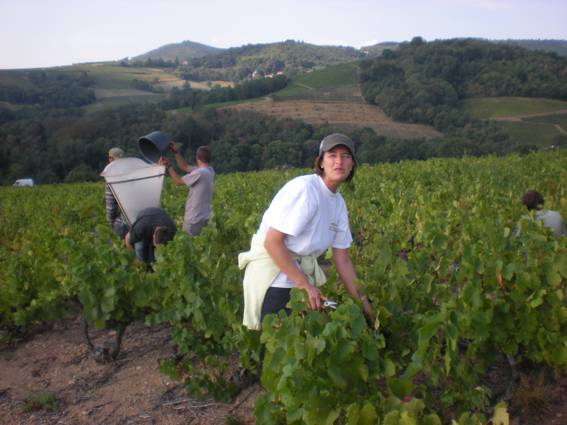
(343, 116)
(290, 57)
(424, 82)
(181, 52)
(331, 96)
(419, 101)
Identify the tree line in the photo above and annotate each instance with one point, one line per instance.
(51, 89)
(66, 147)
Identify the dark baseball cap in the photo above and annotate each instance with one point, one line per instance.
(336, 139)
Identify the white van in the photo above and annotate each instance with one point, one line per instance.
(24, 182)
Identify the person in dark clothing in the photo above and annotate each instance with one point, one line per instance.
(152, 227)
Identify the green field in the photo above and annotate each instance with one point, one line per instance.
(555, 119)
(337, 82)
(496, 107)
(113, 102)
(531, 133)
(112, 76)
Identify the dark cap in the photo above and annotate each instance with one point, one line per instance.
(336, 139)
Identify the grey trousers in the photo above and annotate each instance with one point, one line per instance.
(193, 229)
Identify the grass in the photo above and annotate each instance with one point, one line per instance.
(332, 76)
(495, 107)
(555, 119)
(43, 400)
(337, 82)
(113, 76)
(531, 133)
(113, 102)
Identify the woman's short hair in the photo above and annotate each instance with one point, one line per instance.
(532, 200)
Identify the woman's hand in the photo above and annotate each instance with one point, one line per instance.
(348, 277)
(313, 294)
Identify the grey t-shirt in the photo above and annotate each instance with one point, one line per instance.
(553, 220)
(198, 206)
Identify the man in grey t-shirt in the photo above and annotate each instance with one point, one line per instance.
(199, 179)
(551, 219)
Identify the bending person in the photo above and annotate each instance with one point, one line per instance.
(199, 179)
(306, 217)
(152, 227)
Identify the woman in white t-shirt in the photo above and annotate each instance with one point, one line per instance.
(305, 218)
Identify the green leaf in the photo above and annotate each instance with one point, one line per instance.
(392, 418)
(431, 419)
(400, 387)
(406, 419)
(389, 368)
(353, 414)
(501, 416)
(561, 264)
(552, 275)
(368, 415)
(336, 375)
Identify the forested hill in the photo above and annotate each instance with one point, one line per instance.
(550, 46)
(181, 52)
(290, 57)
(424, 82)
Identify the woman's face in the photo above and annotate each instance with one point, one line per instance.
(337, 165)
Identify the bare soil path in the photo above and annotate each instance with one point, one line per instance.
(131, 390)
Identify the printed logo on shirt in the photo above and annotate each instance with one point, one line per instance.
(333, 227)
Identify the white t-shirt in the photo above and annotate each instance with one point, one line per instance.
(312, 217)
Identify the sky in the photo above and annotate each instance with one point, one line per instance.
(45, 33)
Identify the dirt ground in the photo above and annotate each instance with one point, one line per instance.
(132, 390)
(347, 115)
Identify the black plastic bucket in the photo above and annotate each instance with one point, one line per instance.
(153, 145)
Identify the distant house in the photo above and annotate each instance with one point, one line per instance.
(24, 182)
